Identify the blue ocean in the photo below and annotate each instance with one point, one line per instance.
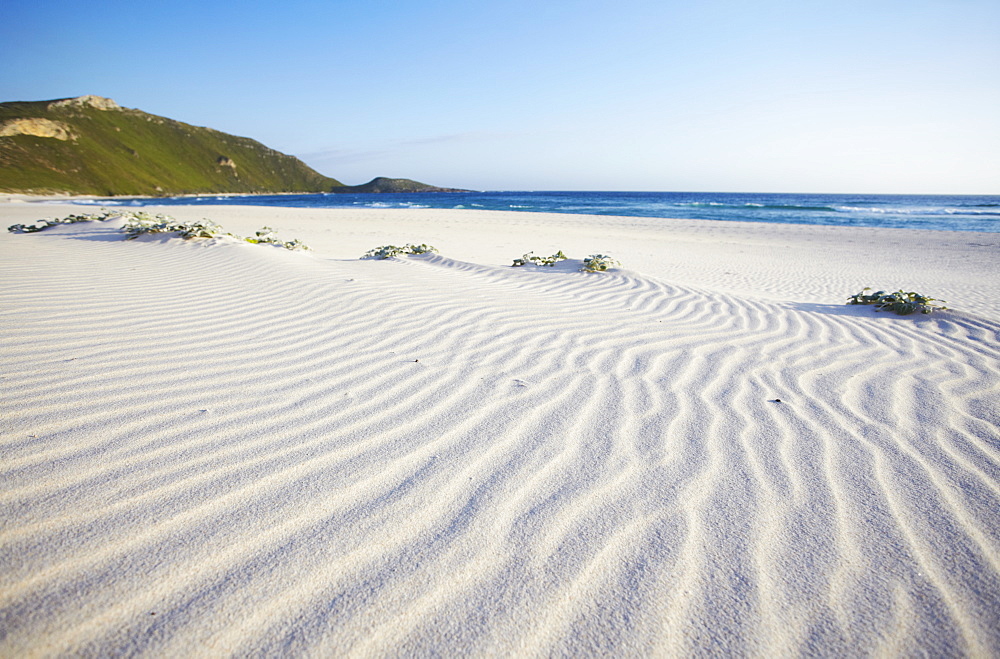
(937, 212)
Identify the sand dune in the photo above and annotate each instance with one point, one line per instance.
(211, 448)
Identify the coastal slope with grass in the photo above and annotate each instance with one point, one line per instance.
(91, 145)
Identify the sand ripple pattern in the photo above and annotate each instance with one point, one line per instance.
(222, 449)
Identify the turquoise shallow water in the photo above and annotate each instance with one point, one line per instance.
(937, 212)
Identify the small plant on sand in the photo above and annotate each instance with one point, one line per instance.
(200, 229)
(140, 222)
(901, 302)
(389, 251)
(41, 225)
(598, 263)
(295, 245)
(531, 257)
(268, 236)
(137, 224)
(264, 235)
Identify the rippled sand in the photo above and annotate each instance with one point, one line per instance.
(212, 448)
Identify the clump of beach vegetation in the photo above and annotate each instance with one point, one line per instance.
(268, 236)
(593, 263)
(138, 223)
(901, 302)
(599, 263)
(389, 251)
(531, 257)
(41, 225)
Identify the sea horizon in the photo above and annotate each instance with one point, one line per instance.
(937, 212)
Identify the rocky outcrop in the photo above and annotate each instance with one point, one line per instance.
(36, 128)
(88, 101)
(226, 161)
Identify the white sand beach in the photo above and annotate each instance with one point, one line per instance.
(210, 448)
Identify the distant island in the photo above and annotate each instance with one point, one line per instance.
(382, 184)
(92, 145)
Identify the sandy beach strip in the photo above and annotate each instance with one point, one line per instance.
(210, 448)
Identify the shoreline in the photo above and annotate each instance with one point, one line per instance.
(920, 212)
(225, 448)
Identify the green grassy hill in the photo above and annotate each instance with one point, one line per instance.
(90, 145)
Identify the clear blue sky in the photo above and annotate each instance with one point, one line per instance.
(700, 95)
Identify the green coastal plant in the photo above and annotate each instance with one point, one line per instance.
(598, 263)
(531, 257)
(901, 302)
(41, 225)
(389, 251)
(264, 235)
(201, 229)
(138, 223)
(268, 236)
(593, 263)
